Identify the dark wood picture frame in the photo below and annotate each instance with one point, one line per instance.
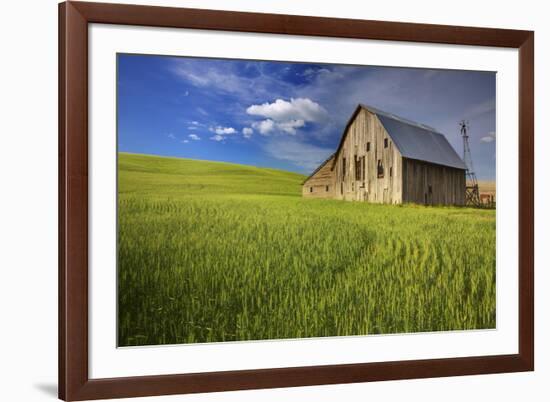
(74, 382)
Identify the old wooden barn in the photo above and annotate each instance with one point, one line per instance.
(384, 158)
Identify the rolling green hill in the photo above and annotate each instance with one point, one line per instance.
(211, 251)
(183, 177)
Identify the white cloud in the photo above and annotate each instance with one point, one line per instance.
(283, 111)
(265, 127)
(195, 125)
(185, 141)
(284, 116)
(227, 79)
(247, 132)
(301, 154)
(199, 80)
(223, 130)
(194, 137)
(171, 136)
(309, 72)
(217, 137)
(290, 126)
(490, 137)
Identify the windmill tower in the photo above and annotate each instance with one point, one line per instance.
(472, 188)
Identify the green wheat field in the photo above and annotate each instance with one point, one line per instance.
(213, 252)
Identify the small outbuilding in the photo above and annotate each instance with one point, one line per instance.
(383, 158)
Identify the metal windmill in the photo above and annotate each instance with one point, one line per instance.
(472, 188)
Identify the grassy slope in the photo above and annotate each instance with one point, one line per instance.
(213, 251)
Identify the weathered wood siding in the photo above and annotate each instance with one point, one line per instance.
(351, 183)
(320, 184)
(426, 183)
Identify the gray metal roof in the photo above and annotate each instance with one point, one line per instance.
(418, 141)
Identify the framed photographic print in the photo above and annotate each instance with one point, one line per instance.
(258, 200)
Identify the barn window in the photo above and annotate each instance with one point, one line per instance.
(385, 142)
(380, 169)
(430, 189)
(343, 167)
(357, 168)
(363, 170)
(326, 188)
(311, 189)
(368, 146)
(342, 187)
(391, 171)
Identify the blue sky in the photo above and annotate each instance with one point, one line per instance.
(288, 115)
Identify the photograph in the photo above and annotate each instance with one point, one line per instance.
(273, 200)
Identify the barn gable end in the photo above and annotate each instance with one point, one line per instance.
(367, 165)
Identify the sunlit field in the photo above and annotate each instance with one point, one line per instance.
(211, 252)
